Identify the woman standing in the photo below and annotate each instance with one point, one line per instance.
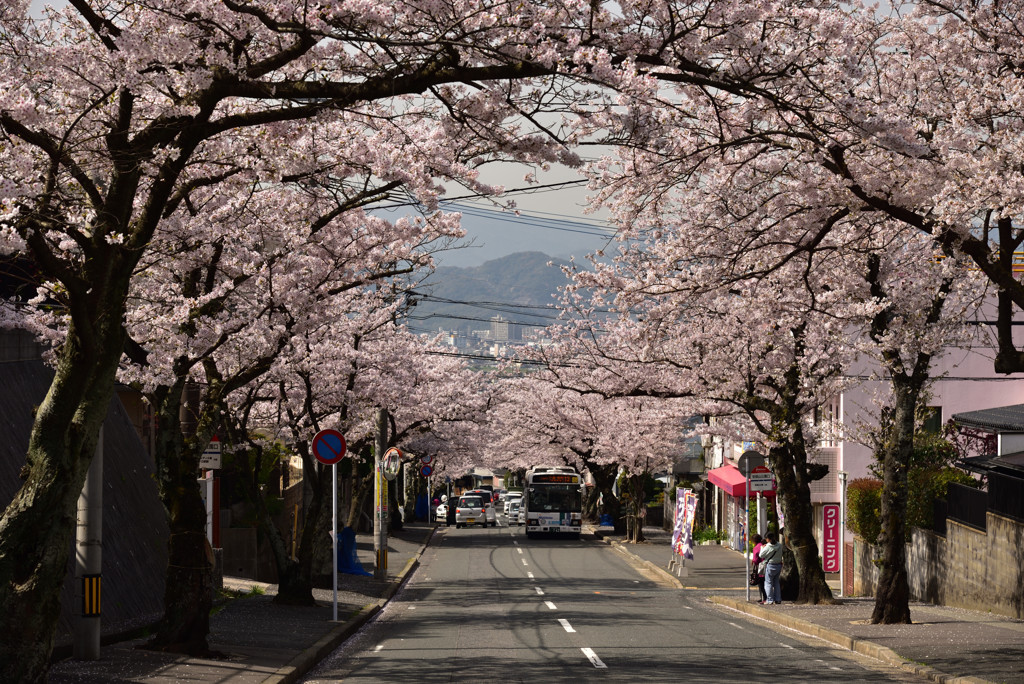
(771, 554)
(756, 564)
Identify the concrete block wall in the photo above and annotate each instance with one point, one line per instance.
(967, 568)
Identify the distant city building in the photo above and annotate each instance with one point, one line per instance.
(500, 329)
(504, 330)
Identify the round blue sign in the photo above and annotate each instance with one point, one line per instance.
(329, 446)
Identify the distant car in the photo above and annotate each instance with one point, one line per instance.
(441, 512)
(510, 497)
(513, 512)
(470, 511)
(489, 511)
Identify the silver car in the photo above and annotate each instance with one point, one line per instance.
(490, 512)
(470, 511)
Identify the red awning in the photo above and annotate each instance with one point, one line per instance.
(731, 481)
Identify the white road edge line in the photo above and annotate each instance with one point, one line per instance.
(566, 625)
(550, 605)
(592, 657)
(735, 625)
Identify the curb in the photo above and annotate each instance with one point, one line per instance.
(305, 661)
(637, 560)
(862, 646)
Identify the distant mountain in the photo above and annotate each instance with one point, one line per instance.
(520, 287)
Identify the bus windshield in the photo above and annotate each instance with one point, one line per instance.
(555, 497)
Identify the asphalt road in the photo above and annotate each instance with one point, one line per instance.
(490, 605)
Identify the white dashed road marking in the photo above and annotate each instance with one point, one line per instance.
(540, 592)
(592, 657)
(529, 574)
(566, 625)
(550, 605)
(524, 562)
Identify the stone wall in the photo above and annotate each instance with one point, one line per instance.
(968, 568)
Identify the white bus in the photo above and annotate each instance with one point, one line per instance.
(553, 501)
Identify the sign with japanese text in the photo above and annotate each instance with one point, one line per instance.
(831, 538)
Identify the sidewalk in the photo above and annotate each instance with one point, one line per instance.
(943, 644)
(262, 642)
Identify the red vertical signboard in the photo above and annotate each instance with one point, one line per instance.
(831, 539)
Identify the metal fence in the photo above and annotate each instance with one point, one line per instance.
(967, 505)
(1006, 495)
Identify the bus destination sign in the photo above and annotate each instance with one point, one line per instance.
(567, 479)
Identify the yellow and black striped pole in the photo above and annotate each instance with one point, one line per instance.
(91, 595)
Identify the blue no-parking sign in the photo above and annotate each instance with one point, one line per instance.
(329, 446)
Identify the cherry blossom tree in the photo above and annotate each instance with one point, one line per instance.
(107, 133)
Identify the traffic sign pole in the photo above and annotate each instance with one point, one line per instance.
(334, 532)
(746, 507)
(329, 447)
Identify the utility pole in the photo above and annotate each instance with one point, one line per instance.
(89, 559)
(380, 497)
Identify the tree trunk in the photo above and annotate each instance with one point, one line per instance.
(188, 595)
(892, 598)
(37, 527)
(601, 500)
(635, 526)
(789, 463)
(295, 580)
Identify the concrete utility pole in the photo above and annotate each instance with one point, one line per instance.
(380, 497)
(89, 559)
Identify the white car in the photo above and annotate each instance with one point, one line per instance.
(510, 497)
(513, 512)
(521, 516)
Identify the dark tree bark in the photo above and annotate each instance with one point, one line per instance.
(601, 499)
(37, 528)
(793, 475)
(188, 593)
(892, 597)
(908, 378)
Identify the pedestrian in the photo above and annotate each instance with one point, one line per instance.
(449, 518)
(757, 565)
(771, 555)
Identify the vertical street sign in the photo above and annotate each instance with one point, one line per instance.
(329, 447)
(830, 538)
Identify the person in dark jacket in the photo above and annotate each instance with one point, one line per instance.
(771, 554)
(449, 518)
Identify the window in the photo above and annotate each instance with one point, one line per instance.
(932, 423)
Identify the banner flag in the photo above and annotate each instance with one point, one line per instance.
(690, 509)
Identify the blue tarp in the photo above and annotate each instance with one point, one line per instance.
(348, 559)
(422, 508)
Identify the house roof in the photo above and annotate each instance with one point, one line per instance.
(998, 419)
